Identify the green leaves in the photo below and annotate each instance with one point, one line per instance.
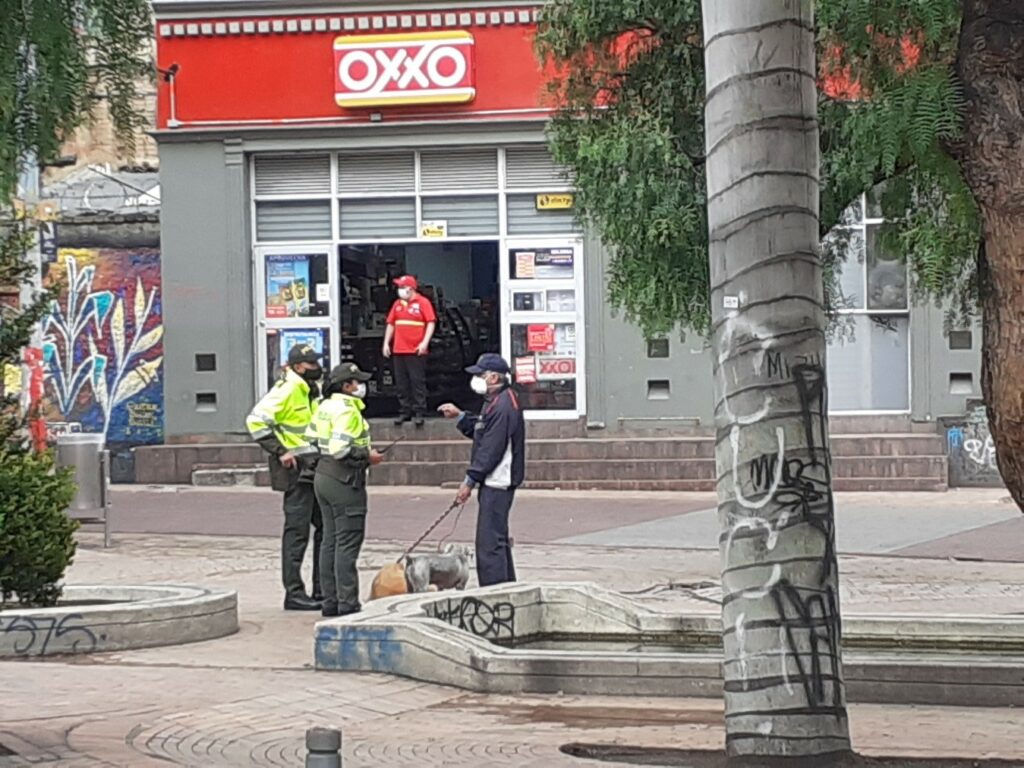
(36, 536)
(631, 128)
(57, 59)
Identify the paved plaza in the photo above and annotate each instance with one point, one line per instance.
(246, 700)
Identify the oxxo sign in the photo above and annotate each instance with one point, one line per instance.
(417, 68)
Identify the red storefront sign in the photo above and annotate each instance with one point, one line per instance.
(557, 368)
(419, 68)
(286, 70)
(540, 338)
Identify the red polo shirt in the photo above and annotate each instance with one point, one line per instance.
(410, 319)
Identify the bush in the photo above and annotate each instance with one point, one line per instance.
(37, 541)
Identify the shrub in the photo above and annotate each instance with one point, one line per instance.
(37, 541)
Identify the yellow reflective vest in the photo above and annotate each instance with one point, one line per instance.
(338, 426)
(284, 414)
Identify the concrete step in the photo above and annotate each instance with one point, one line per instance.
(175, 463)
(850, 473)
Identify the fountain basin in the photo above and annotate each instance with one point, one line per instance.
(579, 639)
(97, 618)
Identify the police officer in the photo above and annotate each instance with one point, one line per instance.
(497, 464)
(343, 436)
(278, 423)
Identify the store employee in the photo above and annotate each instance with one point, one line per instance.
(411, 324)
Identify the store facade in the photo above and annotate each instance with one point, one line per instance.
(309, 155)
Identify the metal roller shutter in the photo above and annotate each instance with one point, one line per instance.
(466, 216)
(378, 219)
(532, 167)
(293, 220)
(525, 219)
(298, 175)
(375, 173)
(459, 169)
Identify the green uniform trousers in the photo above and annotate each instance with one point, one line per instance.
(300, 511)
(343, 507)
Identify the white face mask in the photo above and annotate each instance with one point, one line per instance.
(479, 385)
(405, 293)
(360, 391)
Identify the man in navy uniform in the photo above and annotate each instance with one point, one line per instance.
(497, 464)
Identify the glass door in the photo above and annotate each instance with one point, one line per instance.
(293, 306)
(542, 319)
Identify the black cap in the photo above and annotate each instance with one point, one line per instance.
(489, 362)
(347, 372)
(303, 353)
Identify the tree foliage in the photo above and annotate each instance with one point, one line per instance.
(630, 126)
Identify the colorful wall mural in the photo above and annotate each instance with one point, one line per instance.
(103, 345)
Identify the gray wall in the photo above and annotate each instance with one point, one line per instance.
(939, 375)
(207, 279)
(621, 375)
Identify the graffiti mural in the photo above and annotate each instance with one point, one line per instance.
(103, 345)
(972, 453)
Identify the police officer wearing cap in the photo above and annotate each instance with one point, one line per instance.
(497, 464)
(342, 435)
(278, 423)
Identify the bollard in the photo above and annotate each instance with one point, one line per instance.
(324, 748)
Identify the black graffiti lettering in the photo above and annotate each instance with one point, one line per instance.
(33, 635)
(778, 368)
(495, 621)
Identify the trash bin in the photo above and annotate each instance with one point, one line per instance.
(86, 455)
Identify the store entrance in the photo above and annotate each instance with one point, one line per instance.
(460, 279)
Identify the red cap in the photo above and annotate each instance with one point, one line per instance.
(406, 281)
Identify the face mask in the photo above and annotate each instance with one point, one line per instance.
(312, 375)
(405, 293)
(479, 385)
(360, 391)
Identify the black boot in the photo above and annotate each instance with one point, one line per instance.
(300, 603)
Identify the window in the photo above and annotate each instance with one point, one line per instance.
(869, 358)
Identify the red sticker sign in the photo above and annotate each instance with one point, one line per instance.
(540, 338)
(557, 368)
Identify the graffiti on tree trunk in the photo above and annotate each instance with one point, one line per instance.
(786, 489)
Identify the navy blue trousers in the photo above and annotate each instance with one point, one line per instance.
(493, 548)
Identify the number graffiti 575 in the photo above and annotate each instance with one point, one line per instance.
(420, 68)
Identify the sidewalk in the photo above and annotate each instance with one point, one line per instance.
(246, 700)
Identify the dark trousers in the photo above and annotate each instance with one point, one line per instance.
(411, 379)
(493, 548)
(344, 510)
(300, 512)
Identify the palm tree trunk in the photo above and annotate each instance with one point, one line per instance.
(990, 64)
(784, 692)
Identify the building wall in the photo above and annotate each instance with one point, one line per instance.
(208, 291)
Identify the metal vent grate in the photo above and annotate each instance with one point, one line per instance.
(459, 169)
(379, 219)
(533, 167)
(300, 175)
(375, 174)
(466, 216)
(287, 220)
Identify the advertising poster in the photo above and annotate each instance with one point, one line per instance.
(540, 338)
(313, 337)
(554, 263)
(287, 286)
(526, 370)
(525, 265)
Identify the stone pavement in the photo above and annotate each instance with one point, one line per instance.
(246, 700)
(965, 523)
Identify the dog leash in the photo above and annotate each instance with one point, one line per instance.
(429, 530)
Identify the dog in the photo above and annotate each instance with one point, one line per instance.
(447, 570)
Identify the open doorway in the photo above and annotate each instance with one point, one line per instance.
(461, 280)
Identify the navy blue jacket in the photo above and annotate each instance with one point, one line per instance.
(498, 459)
